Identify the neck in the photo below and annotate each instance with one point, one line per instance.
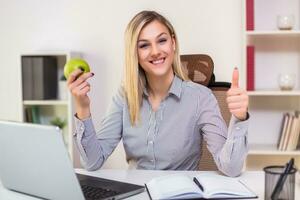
(159, 86)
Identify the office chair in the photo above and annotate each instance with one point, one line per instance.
(199, 68)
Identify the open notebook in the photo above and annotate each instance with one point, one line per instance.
(204, 185)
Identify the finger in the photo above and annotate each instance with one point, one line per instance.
(84, 77)
(239, 111)
(234, 99)
(236, 105)
(235, 78)
(82, 85)
(81, 92)
(74, 75)
(81, 79)
(85, 90)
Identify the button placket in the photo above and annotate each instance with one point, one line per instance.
(150, 138)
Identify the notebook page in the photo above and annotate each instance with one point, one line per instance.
(222, 186)
(174, 185)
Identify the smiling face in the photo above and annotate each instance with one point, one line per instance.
(156, 50)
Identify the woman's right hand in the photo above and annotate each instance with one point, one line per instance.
(79, 87)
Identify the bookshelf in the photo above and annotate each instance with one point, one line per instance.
(275, 52)
(40, 108)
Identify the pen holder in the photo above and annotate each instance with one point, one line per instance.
(272, 174)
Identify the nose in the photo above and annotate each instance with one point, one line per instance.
(155, 51)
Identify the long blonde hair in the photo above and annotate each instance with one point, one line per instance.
(134, 80)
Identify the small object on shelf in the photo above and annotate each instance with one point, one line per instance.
(286, 81)
(75, 63)
(285, 22)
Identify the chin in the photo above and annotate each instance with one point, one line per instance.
(160, 72)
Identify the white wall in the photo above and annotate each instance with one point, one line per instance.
(96, 28)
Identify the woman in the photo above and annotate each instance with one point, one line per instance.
(158, 112)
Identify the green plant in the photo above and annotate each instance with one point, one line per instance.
(61, 123)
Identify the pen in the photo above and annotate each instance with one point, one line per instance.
(281, 180)
(198, 184)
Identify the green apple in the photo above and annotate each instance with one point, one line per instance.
(75, 63)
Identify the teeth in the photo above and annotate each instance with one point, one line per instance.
(155, 62)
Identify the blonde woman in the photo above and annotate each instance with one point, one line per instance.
(158, 113)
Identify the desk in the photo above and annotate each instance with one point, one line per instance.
(253, 179)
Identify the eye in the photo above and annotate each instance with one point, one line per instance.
(162, 40)
(143, 45)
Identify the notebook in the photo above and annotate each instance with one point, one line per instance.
(205, 186)
(34, 161)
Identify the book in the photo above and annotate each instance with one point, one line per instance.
(205, 185)
(288, 132)
(291, 144)
(250, 15)
(35, 113)
(283, 130)
(45, 79)
(27, 78)
(250, 68)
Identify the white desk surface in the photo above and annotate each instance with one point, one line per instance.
(253, 179)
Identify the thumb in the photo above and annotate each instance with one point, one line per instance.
(235, 78)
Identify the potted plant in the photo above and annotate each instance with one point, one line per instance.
(57, 121)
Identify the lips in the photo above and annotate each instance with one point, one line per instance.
(158, 61)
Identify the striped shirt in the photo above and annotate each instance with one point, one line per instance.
(169, 138)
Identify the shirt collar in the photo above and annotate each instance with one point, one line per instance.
(175, 88)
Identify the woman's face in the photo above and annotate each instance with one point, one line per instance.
(156, 49)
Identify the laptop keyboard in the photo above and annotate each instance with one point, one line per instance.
(96, 193)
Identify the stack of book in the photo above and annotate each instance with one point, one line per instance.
(32, 114)
(290, 130)
(39, 77)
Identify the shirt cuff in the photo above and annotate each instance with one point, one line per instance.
(83, 126)
(238, 128)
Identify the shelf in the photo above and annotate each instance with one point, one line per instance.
(53, 53)
(273, 93)
(273, 33)
(45, 102)
(267, 149)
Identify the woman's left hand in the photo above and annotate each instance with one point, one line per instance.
(237, 98)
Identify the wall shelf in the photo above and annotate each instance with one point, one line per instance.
(45, 102)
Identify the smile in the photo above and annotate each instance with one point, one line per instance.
(157, 62)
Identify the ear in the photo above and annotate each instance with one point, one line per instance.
(173, 42)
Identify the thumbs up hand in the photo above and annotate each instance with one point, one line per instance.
(237, 98)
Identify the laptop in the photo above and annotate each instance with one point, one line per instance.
(34, 161)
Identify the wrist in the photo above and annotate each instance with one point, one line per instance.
(244, 117)
(83, 114)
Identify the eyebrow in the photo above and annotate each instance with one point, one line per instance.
(144, 40)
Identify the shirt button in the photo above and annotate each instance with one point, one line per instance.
(151, 160)
(237, 128)
(150, 142)
(81, 128)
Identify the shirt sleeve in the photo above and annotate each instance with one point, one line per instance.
(229, 147)
(95, 147)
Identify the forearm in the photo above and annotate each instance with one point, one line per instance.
(230, 159)
(88, 145)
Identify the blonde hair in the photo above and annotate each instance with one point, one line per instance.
(134, 80)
